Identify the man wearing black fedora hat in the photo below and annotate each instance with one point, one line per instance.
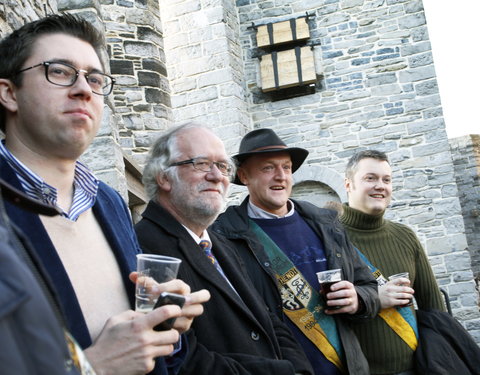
(284, 243)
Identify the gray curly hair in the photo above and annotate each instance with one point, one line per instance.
(162, 153)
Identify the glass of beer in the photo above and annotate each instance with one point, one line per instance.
(326, 280)
(152, 270)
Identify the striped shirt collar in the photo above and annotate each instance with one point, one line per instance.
(85, 185)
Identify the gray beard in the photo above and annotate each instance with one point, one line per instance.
(198, 212)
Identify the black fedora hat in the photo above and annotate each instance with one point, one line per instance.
(262, 141)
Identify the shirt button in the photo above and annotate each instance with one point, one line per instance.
(339, 255)
(266, 264)
(255, 336)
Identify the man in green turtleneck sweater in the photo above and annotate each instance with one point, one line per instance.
(391, 248)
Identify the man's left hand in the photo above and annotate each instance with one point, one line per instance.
(193, 301)
(193, 307)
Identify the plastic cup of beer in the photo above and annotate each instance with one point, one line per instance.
(401, 275)
(326, 279)
(152, 270)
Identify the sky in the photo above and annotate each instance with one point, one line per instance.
(453, 29)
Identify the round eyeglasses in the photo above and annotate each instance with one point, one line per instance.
(206, 165)
(63, 74)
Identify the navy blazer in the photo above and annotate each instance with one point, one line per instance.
(118, 232)
(113, 216)
(33, 341)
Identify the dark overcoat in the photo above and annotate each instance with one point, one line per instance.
(234, 224)
(234, 335)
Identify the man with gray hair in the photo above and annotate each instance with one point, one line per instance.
(187, 178)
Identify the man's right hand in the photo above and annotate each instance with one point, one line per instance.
(128, 345)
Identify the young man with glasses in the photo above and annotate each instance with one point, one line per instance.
(52, 85)
(187, 178)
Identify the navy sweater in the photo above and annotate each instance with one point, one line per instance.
(305, 249)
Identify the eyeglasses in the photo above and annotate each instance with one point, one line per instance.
(63, 74)
(205, 165)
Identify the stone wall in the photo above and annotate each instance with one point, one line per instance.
(466, 159)
(204, 61)
(14, 14)
(142, 92)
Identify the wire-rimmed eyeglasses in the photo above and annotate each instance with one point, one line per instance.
(206, 165)
(63, 74)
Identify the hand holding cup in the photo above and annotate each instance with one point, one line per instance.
(340, 295)
(151, 271)
(396, 292)
(327, 279)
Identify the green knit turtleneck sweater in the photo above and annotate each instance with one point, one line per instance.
(392, 248)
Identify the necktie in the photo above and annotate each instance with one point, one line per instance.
(207, 249)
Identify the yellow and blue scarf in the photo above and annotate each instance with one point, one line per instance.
(401, 319)
(302, 304)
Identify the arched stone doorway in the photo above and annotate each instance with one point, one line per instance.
(318, 185)
(314, 192)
